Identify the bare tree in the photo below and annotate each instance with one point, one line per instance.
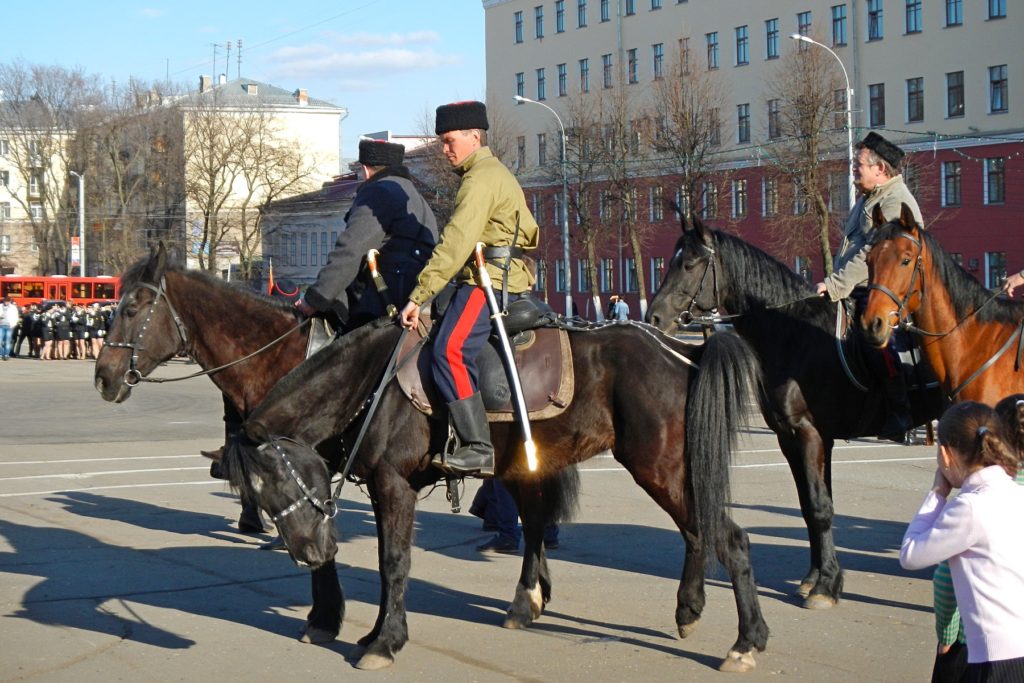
(39, 112)
(808, 159)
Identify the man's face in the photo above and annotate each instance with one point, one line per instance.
(866, 175)
(459, 144)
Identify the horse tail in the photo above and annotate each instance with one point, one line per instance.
(560, 494)
(721, 392)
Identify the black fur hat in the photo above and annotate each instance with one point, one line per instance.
(883, 148)
(380, 153)
(460, 116)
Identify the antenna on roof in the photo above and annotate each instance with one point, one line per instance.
(239, 57)
(227, 60)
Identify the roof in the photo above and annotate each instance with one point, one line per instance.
(236, 92)
(342, 188)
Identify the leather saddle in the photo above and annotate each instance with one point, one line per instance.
(543, 357)
(860, 359)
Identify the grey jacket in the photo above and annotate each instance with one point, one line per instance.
(849, 267)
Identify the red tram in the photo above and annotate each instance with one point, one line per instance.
(35, 289)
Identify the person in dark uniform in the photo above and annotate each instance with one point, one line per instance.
(25, 331)
(388, 214)
(490, 207)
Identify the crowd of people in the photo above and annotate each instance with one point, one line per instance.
(56, 331)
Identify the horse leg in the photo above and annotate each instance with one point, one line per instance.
(394, 506)
(733, 549)
(690, 596)
(534, 588)
(323, 624)
(809, 457)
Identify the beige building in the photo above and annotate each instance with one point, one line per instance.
(937, 77)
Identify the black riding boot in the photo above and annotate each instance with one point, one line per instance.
(474, 452)
(898, 419)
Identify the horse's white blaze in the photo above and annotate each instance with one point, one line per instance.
(536, 600)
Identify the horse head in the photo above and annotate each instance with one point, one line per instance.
(691, 284)
(290, 482)
(895, 274)
(145, 330)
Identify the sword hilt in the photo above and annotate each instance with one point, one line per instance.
(378, 282)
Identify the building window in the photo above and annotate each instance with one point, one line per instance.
(996, 9)
(875, 28)
(710, 196)
(5, 244)
(325, 247)
(657, 270)
(684, 54)
(739, 198)
(995, 180)
(683, 201)
(656, 4)
(955, 94)
(799, 199)
(743, 122)
(538, 21)
(658, 57)
(995, 269)
(839, 113)
(631, 284)
(632, 71)
(563, 80)
(584, 75)
(5, 178)
(304, 248)
(838, 25)
(742, 46)
(582, 275)
(657, 206)
(541, 283)
(519, 29)
(581, 13)
(774, 129)
(915, 100)
(954, 12)
(803, 26)
(560, 278)
(559, 209)
(542, 89)
(521, 84)
(521, 152)
(712, 40)
(839, 193)
(771, 34)
(5, 210)
(605, 12)
(35, 184)
(913, 16)
(876, 99)
(542, 152)
(630, 7)
(5, 148)
(950, 183)
(606, 70)
(715, 127)
(559, 16)
(607, 275)
(997, 87)
(35, 210)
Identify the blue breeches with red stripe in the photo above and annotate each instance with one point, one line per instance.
(461, 335)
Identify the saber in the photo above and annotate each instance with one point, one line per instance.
(378, 282)
(513, 372)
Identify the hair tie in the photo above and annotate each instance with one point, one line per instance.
(1020, 402)
(982, 430)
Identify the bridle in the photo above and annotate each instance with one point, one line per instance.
(328, 508)
(132, 375)
(902, 317)
(686, 316)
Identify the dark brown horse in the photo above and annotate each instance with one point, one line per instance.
(811, 401)
(670, 426)
(973, 338)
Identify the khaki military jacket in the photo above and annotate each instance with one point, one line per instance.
(487, 206)
(849, 268)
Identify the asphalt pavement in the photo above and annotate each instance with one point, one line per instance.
(120, 560)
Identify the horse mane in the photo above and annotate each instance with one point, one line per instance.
(966, 293)
(766, 279)
(135, 275)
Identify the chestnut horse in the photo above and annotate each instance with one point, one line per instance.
(972, 337)
(636, 392)
(811, 402)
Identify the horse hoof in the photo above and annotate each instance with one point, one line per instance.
(372, 662)
(356, 653)
(738, 662)
(686, 630)
(804, 589)
(317, 636)
(514, 623)
(819, 601)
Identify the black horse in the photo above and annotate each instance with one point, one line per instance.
(811, 401)
(671, 427)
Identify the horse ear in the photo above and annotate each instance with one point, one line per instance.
(877, 217)
(702, 230)
(907, 219)
(157, 263)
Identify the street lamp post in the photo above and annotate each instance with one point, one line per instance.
(81, 222)
(565, 206)
(849, 112)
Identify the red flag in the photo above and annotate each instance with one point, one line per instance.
(270, 278)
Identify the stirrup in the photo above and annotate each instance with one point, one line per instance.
(440, 461)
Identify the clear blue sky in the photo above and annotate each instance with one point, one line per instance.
(386, 61)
